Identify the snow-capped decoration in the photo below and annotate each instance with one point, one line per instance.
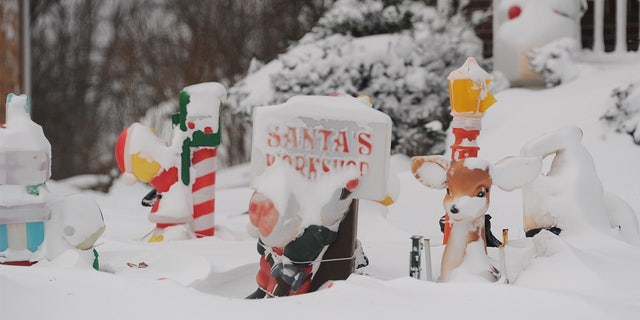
(33, 223)
(517, 29)
(318, 134)
(468, 182)
(202, 103)
(470, 98)
(297, 220)
(312, 158)
(467, 178)
(570, 198)
(182, 172)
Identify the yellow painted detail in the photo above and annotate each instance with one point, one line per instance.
(156, 238)
(144, 169)
(465, 96)
(387, 201)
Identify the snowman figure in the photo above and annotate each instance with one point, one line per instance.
(522, 25)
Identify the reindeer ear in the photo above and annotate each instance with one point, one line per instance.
(431, 170)
(514, 172)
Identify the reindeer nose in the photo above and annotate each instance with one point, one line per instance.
(454, 209)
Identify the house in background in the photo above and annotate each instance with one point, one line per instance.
(600, 15)
(14, 49)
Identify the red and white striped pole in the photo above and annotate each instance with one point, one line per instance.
(203, 164)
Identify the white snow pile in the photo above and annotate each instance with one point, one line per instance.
(624, 113)
(589, 271)
(555, 61)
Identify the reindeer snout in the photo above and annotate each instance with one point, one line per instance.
(454, 209)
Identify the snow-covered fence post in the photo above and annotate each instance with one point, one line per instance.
(312, 158)
(598, 26)
(503, 258)
(621, 26)
(415, 257)
(427, 260)
(199, 120)
(469, 98)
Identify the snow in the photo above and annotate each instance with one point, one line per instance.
(204, 100)
(582, 275)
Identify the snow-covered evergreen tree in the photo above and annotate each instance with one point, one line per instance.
(624, 113)
(397, 52)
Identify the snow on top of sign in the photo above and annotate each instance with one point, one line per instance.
(336, 107)
(20, 133)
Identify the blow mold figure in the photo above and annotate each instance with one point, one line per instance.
(523, 25)
(181, 172)
(295, 221)
(570, 198)
(35, 224)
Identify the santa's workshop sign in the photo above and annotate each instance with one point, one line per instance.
(319, 134)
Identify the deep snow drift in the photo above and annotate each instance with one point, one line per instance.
(580, 275)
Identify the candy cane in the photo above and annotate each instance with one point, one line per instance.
(203, 164)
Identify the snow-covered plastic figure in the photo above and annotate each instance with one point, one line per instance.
(470, 99)
(468, 183)
(296, 220)
(313, 158)
(570, 198)
(33, 223)
(182, 172)
(522, 25)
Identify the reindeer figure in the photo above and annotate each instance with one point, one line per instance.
(468, 182)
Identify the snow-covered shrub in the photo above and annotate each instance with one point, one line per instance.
(397, 54)
(555, 61)
(624, 113)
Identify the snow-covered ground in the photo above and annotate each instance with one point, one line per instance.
(583, 277)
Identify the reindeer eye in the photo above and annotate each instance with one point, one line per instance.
(482, 193)
(448, 191)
